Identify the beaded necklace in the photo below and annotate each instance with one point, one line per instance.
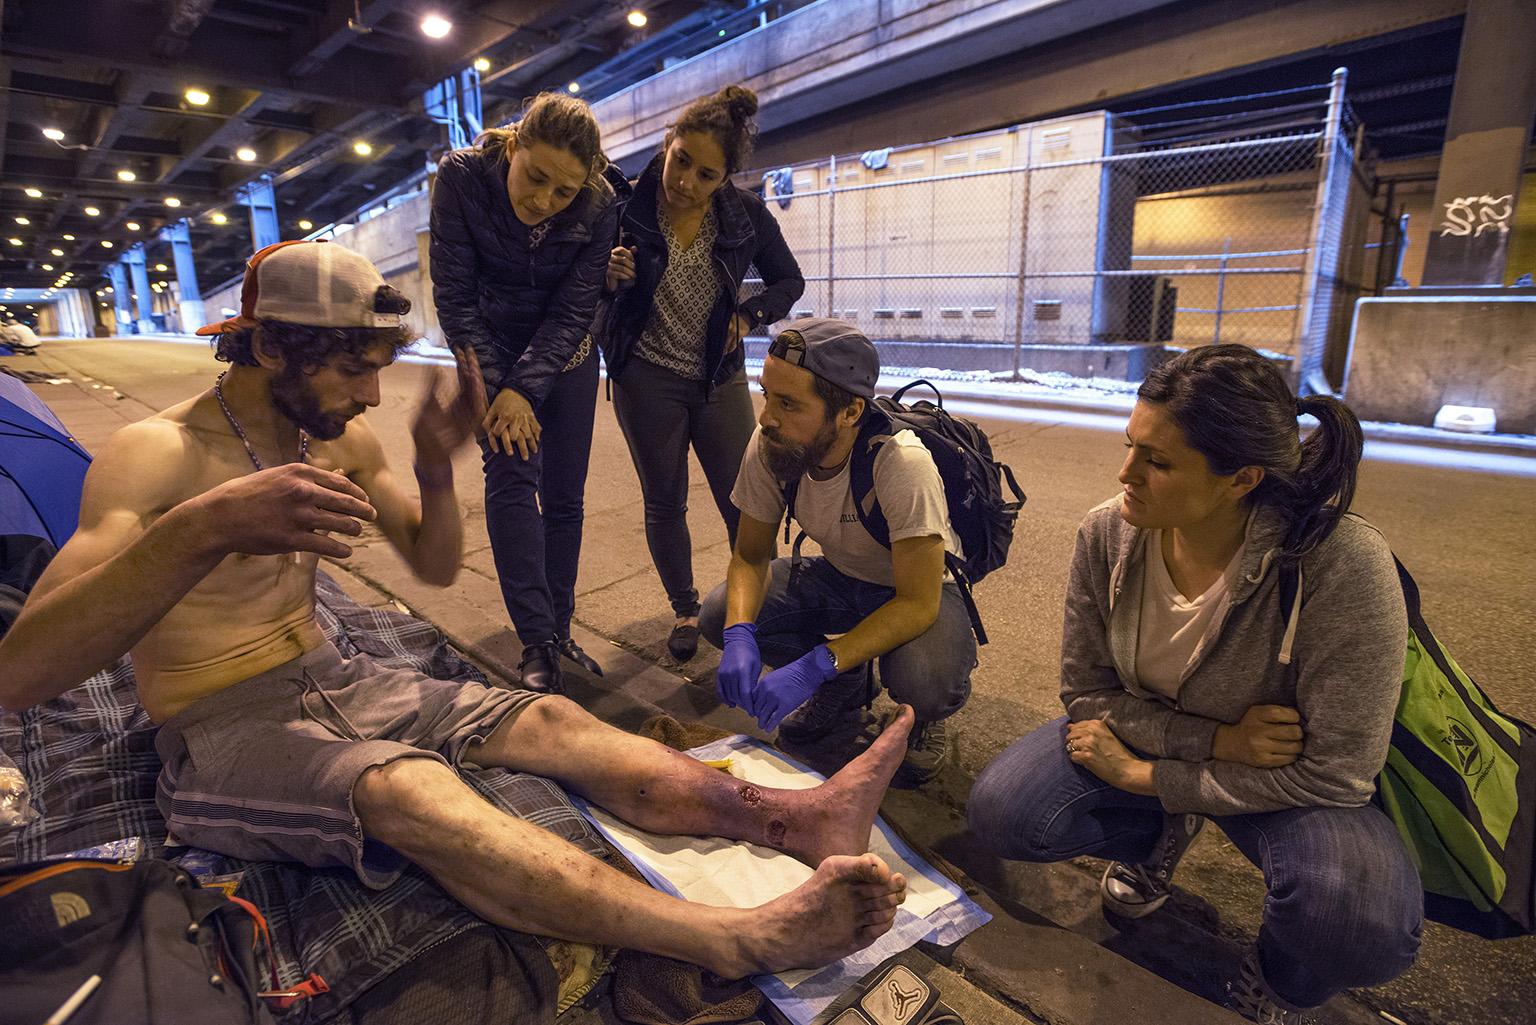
(218, 393)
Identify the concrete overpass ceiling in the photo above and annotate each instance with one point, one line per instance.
(1401, 56)
(293, 82)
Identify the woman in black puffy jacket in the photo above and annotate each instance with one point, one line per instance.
(672, 336)
(522, 227)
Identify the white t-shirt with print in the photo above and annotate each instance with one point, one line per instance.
(907, 486)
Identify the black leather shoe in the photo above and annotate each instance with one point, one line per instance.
(540, 668)
(571, 650)
(683, 642)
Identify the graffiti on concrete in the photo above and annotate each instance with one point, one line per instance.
(1473, 215)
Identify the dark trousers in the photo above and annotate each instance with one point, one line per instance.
(534, 509)
(1344, 909)
(931, 672)
(661, 413)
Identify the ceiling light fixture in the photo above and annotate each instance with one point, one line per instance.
(67, 238)
(22, 220)
(306, 225)
(637, 18)
(93, 211)
(362, 148)
(106, 243)
(35, 193)
(172, 202)
(15, 241)
(574, 87)
(482, 64)
(435, 26)
(219, 218)
(162, 268)
(53, 134)
(57, 252)
(246, 153)
(197, 97)
(126, 175)
(47, 266)
(132, 225)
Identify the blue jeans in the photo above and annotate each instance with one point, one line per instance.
(1344, 909)
(931, 672)
(534, 509)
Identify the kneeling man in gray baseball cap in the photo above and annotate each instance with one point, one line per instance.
(893, 604)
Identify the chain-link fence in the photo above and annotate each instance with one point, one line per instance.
(1067, 242)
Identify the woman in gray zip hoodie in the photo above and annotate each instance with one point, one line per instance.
(1196, 686)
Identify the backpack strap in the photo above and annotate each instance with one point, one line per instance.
(938, 398)
(790, 490)
(957, 570)
(876, 431)
(873, 433)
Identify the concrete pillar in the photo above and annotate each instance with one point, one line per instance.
(134, 258)
(261, 200)
(1492, 107)
(118, 272)
(179, 235)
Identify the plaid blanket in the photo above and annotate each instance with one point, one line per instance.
(89, 758)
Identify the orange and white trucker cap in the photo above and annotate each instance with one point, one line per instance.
(316, 284)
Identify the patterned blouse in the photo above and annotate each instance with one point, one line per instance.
(674, 336)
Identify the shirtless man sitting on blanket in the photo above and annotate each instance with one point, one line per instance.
(201, 563)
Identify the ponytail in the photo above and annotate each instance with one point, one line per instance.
(1236, 409)
(1325, 480)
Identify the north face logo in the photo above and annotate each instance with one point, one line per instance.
(69, 908)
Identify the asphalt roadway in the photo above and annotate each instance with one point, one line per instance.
(1458, 518)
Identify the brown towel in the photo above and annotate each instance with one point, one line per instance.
(653, 990)
(680, 736)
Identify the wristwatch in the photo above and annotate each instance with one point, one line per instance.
(833, 656)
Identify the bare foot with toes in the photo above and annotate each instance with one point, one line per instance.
(847, 905)
(837, 816)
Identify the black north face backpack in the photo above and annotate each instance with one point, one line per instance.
(979, 511)
(159, 947)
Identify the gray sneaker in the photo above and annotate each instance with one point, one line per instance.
(1132, 891)
(927, 754)
(828, 708)
(1250, 997)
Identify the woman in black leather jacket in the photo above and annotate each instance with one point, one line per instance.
(672, 336)
(522, 226)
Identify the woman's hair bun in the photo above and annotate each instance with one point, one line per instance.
(739, 100)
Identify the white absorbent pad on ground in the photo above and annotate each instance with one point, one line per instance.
(727, 873)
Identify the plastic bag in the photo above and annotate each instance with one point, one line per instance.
(15, 809)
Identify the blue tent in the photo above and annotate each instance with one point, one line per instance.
(42, 469)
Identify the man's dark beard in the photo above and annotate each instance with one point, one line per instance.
(788, 460)
(295, 398)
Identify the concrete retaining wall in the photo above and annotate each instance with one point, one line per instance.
(1410, 355)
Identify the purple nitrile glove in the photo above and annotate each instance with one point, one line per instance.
(740, 664)
(788, 687)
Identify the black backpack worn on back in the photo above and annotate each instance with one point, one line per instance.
(979, 510)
